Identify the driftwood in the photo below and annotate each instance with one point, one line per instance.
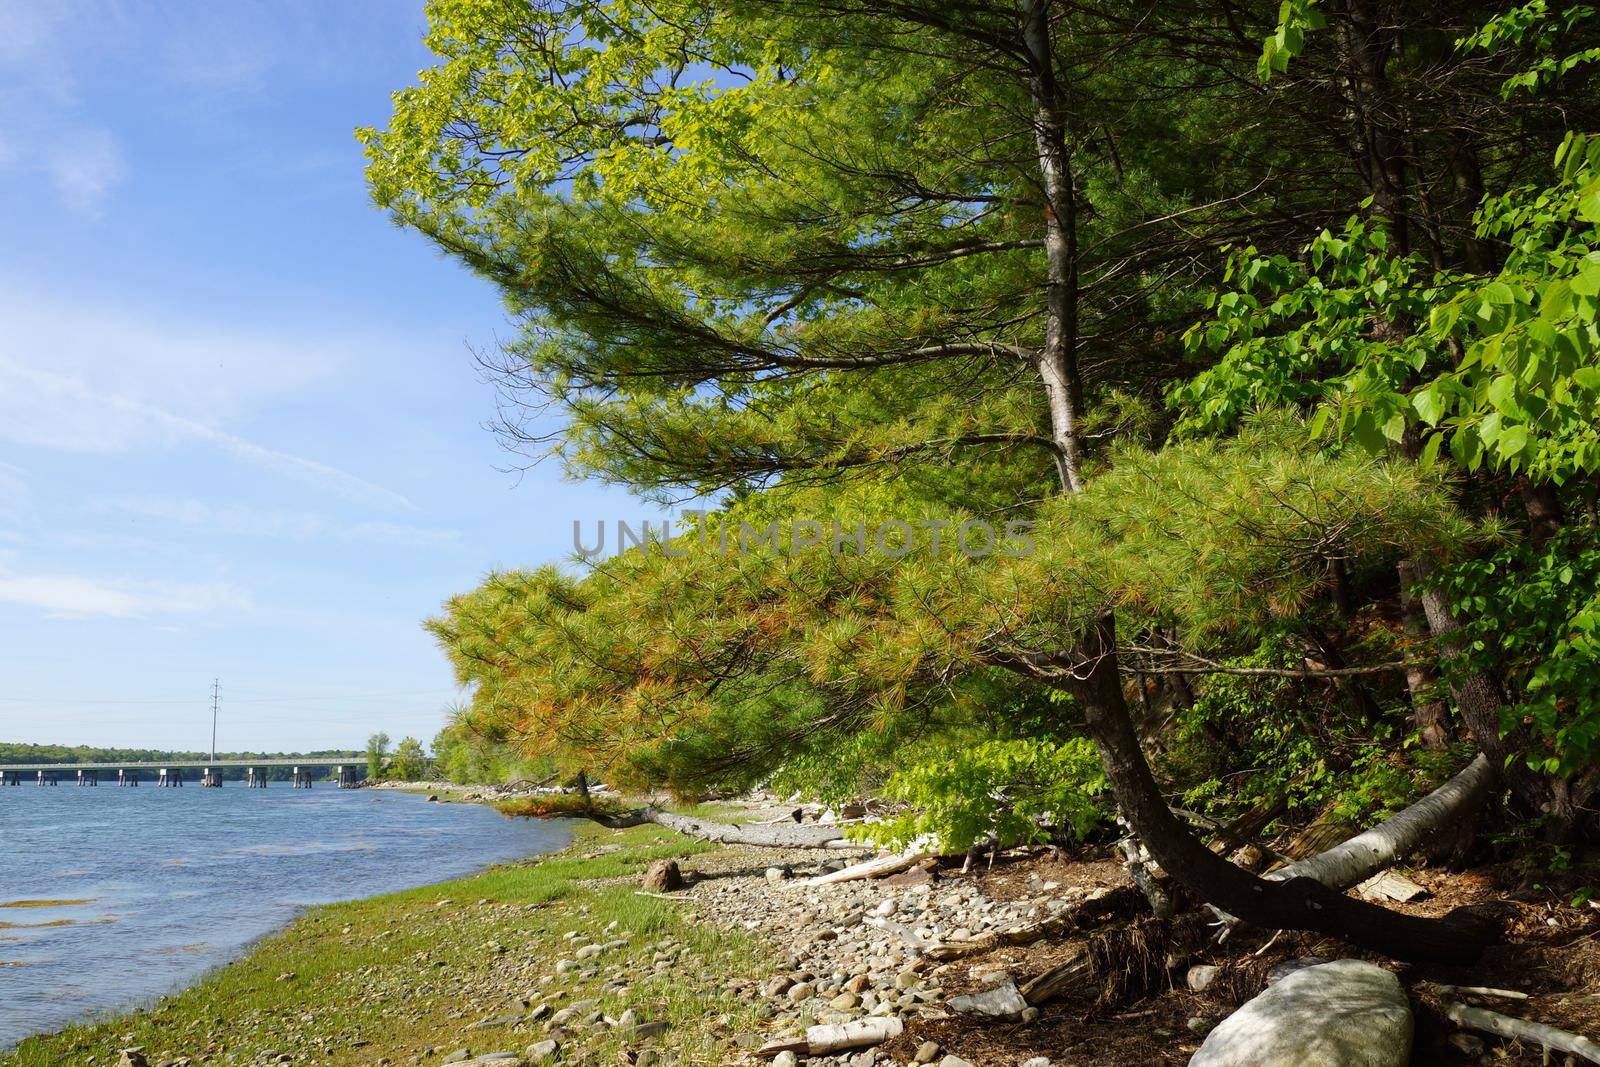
(1104, 899)
(1075, 972)
(1375, 850)
(873, 868)
(1480, 991)
(837, 1037)
(727, 833)
(1521, 1030)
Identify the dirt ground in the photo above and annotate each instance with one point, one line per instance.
(1551, 952)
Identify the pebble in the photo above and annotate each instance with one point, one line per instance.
(541, 1052)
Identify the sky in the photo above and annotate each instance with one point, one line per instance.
(241, 424)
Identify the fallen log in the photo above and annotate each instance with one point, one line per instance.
(1372, 851)
(1549, 1037)
(1074, 973)
(837, 1037)
(873, 868)
(1099, 901)
(1364, 855)
(727, 833)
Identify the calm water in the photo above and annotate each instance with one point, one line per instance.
(181, 879)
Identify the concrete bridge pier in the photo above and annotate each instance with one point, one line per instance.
(127, 778)
(47, 778)
(301, 779)
(171, 777)
(254, 779)
(211, 779)
(88, 778)
(347, 777)
(10, 777)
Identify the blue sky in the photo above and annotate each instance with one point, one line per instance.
(241, 429)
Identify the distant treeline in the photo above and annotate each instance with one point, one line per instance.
(31, 753)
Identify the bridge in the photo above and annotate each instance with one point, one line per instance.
(347, 771)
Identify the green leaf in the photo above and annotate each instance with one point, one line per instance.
(1430, 451)
(1587, 281)
(1430, 404)
(1589, 207)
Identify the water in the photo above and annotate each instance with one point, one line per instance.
(180, 880)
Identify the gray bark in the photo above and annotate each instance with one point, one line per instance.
(1367, 853)
(1058, 361)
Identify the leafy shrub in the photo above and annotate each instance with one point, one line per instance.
(1533, 613)
(1019, 791)
(1252, 742)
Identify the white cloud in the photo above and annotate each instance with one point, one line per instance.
(53, 410)
(247, 521)
(74, 596)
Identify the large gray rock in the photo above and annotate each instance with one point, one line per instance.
(1341, 1014)
(1001, 1002)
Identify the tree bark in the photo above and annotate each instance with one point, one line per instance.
(1422, 682)
(1354, 861)
(1543, 505)
(1480, 700)
(1058, 361)
(1297, 904)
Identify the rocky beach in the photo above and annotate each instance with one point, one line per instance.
(647, 948)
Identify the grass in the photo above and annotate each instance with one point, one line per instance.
(407, 975)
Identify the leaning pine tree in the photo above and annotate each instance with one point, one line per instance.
(865, 266)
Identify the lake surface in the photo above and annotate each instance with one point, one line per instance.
(180, 880)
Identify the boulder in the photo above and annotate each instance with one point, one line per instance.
(541, 1052)
(663, 876)
(1001, 1002)
(1347, 1013)
(133, 1057)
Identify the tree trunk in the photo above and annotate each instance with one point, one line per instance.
(1297, 904)
(1058, 362)
(1366, 44)
(1480, 701)
(1422, 682)
(1543, 505)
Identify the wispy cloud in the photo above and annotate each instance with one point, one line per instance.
(95, 419)
(83, 165)
(243, 520)
(73, 596)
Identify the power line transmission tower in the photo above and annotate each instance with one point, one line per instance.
(216, 697)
